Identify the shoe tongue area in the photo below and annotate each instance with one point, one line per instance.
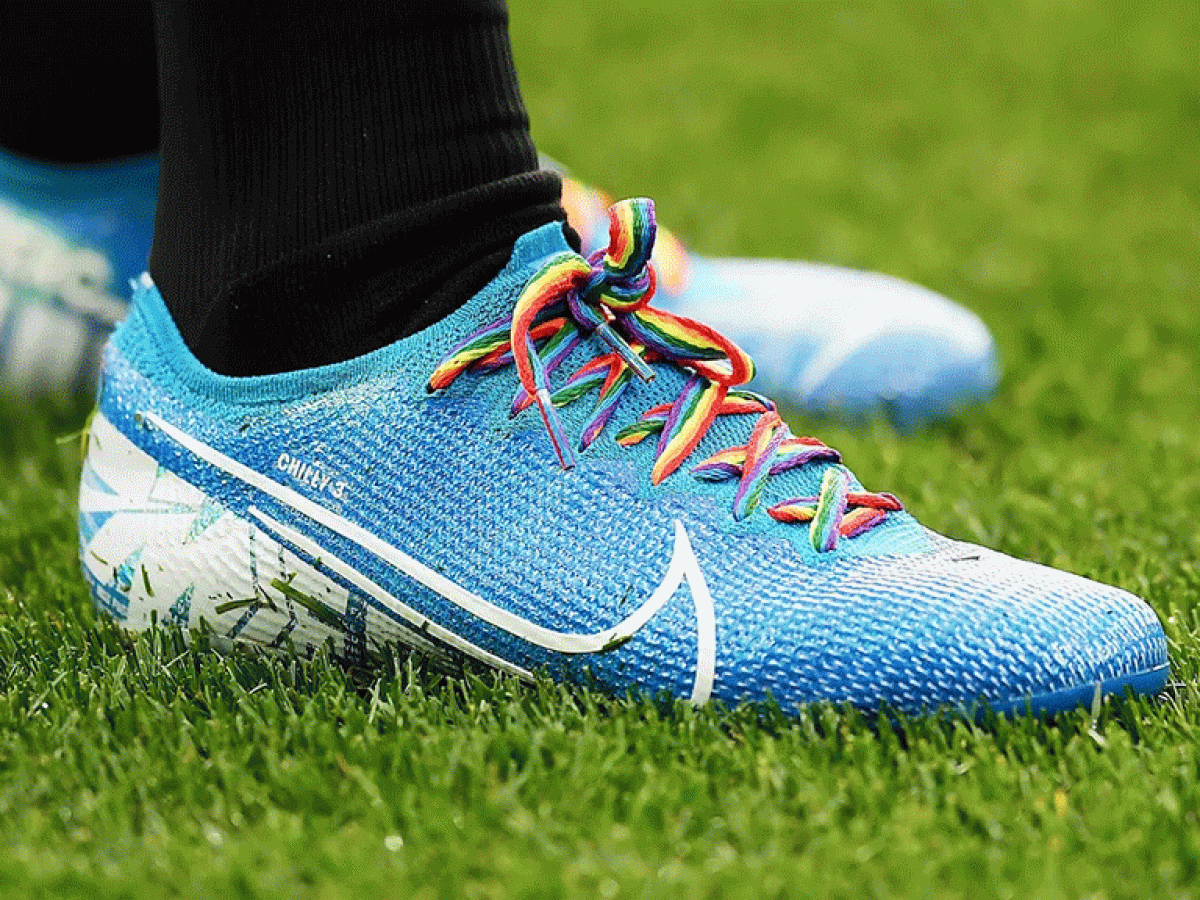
(726, 431)
(898, 533)
(536, 245)
(496, 301)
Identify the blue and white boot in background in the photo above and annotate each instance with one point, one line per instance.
(71, 238)
(828, 341)
(559, 477)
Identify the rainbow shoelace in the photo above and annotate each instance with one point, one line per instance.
(587, 212)
(608, 296)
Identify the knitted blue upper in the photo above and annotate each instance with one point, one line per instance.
(896, 615)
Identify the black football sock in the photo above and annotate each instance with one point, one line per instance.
(335, 176)
(77, 80)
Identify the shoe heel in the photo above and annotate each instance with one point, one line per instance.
(156, 549)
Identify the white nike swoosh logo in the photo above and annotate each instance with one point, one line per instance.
(683, 567)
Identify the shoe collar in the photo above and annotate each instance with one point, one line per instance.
(150, 331)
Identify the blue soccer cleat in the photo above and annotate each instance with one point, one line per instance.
(71, 238)
(827, 341)
(561, 478)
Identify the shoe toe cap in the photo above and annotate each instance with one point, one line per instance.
(958, 627)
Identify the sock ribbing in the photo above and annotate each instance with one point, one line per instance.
(300, 138)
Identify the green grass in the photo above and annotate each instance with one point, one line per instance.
(1036, 161)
